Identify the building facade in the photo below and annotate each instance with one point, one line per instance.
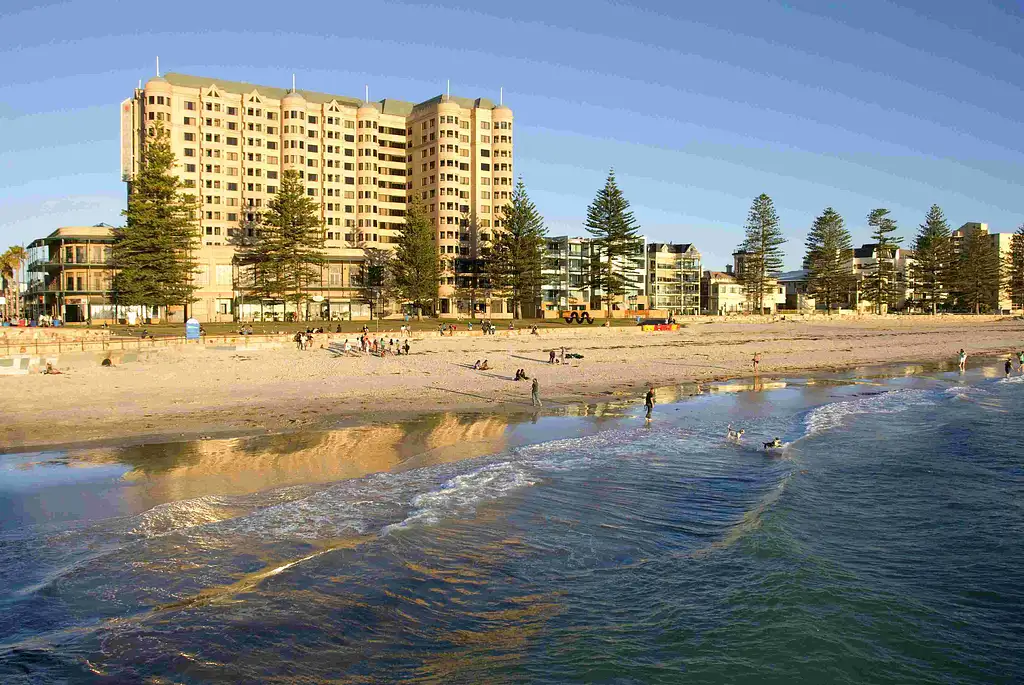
(570, 269)
(723, 293)
(1002, 243)
(862, 266)
(361, 162)
(69, 275)
(673, 278)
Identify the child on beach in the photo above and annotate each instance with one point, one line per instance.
(962, 360)
(757, 361)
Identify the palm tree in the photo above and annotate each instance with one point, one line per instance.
(11, 263)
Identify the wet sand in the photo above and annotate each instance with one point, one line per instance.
(188, 393)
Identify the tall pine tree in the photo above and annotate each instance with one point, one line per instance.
(260, 275)
(153, 253)
(1013, 270)
(829, 259)
(294, 239)
(615, 237)
(417, 266)
(763, 247)
(977, 271)
(934, 261)
(880, 281)
(516, 260)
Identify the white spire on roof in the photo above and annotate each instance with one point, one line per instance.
(158, 66)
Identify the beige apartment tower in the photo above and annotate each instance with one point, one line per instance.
(362, 162)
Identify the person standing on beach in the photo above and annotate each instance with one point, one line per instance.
(757, 361)
(649, 401)
(1020, 361)
(963, 360)
(535, 392)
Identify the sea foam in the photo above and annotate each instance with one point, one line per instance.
(832, 415)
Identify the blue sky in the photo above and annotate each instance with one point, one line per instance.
(699, 106)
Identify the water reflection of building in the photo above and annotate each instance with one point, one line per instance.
(177, 471)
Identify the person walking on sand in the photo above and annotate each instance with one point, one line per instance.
(757, 361)
(649, 401)
(551, 357)
(535, 392)
(963, 360)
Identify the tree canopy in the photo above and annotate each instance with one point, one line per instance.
(762, 246)
(616, 239)
(154, 251)
(828, 258)
(516, 258)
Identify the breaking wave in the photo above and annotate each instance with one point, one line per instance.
(829, 416)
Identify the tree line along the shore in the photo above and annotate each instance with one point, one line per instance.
(281, 252)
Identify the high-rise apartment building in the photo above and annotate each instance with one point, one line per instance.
(361, 162)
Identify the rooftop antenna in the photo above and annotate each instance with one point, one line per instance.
(501, 95)
(367, 94)
(293, 83)
(140, 84)
(158, 66)
(449, 92)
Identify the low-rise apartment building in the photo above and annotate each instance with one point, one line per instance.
(69, 275)
(570, 266)
(862, 265)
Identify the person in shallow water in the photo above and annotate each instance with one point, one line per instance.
(649, 401)
(962, 359)
(535, 393)
(1008, 367)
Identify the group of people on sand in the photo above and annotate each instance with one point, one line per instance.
(382, 347)
(481, 366)
(303, 340)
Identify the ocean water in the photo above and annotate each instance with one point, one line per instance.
(883, 544)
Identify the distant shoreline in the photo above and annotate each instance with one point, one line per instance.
(190, 394)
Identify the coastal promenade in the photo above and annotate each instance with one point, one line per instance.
(234, 386)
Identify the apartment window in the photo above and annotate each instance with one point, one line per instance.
(233, 111)
(190, 152)
(231, 141)
(484, 166)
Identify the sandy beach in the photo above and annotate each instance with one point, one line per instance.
(185, 393)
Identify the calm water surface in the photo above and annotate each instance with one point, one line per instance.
(884, 544)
